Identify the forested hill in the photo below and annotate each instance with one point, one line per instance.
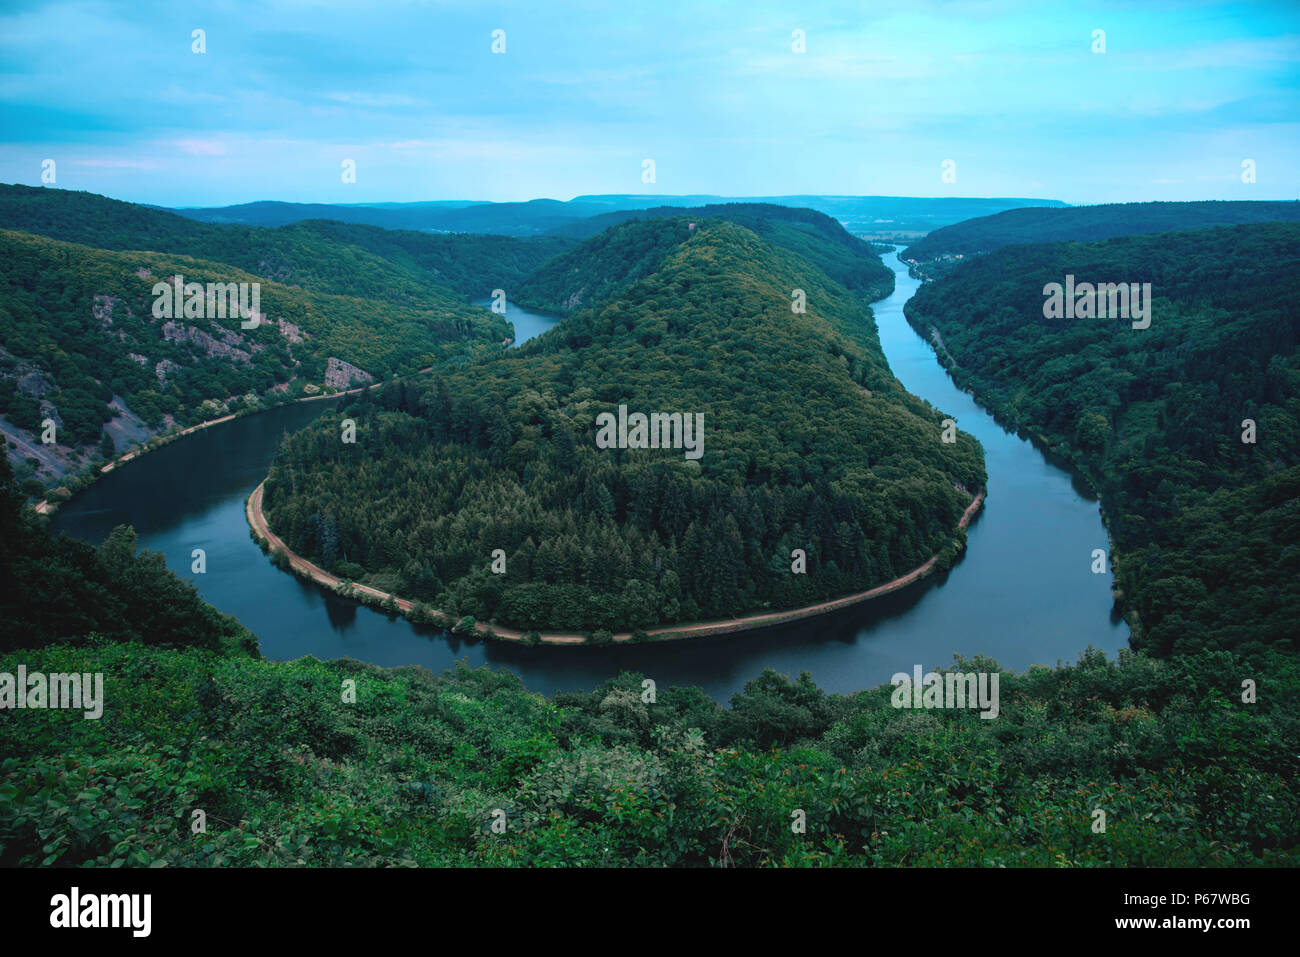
(809, 443)
(415, 269)
(631, 244)
(348, 302)
(1205, 524)
(81, 346)
(937, 251)
(472, 264)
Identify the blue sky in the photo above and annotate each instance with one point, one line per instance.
(712, 92)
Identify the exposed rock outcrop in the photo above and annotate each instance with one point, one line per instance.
(341, 375)
(227, 346)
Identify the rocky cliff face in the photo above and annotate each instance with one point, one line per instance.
(342, 375)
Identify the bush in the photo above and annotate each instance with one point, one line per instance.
(349, 570)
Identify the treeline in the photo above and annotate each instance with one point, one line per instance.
(1205, 524)
(367, 262)
(417, 770)
(615, 255)
(474, 265)
(1086, 224)
(64, 591)
(809, 443)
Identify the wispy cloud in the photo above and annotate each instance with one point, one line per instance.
(715, 93)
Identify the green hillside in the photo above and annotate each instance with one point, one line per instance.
(810, 443)
(942, 248)
(1205, 525)
(472, 264)
(77, 327)
(409, 268)
(620, 250)
(288, 771)
(61, 591)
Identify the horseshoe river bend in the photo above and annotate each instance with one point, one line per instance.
(1022, 594)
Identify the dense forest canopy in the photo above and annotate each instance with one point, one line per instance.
(617, 254)
(412, 773)
(810, 443)
(346, 304)
(77, 327)
(64, 591)
(1206, 525)
(407, 268)
(1085, 224)
(473, 265)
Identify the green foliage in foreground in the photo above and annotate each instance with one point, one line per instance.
(288, 770)
(1205, 525)
(412, 772)
(63, 589)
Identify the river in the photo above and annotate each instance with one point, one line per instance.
(1023, 593)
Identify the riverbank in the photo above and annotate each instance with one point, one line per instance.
(1058, 452)
(154, 442)
(157, 441)
(261, 532)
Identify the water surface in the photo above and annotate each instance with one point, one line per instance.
(1023, 593)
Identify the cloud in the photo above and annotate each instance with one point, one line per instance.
(199, 147)
(376, 100)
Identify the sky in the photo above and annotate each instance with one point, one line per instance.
(1016, 95)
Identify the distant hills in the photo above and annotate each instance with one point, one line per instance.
(532, 218)
(874, 216)
(325, 256)
(949, 244)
